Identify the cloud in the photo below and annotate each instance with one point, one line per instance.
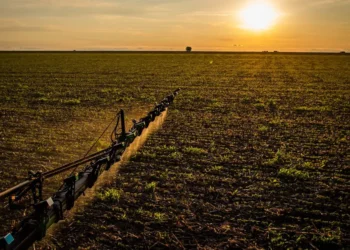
(158, 23)
(27, 29)
(327, 2)
(60, 3)
(131, 8)
(208, 13)
(12, 25)
(78, 8)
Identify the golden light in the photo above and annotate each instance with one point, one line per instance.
(258, 16)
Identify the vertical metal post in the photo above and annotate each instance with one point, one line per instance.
(123, 135)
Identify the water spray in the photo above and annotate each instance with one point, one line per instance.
(51, 210)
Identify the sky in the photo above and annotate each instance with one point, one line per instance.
(205, 25)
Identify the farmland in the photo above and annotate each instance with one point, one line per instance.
(254, 153)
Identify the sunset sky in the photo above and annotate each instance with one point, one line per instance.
(287, 25)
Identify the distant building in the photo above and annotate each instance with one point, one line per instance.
(275, 51)
(188, 49)
(342, 52)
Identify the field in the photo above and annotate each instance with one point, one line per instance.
(254, 153)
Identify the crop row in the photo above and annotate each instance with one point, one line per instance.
(253, 153)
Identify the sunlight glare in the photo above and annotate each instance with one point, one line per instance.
(258, 16)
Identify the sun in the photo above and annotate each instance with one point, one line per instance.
(258, 16)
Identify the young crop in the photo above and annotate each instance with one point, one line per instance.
(272, 106)
(280, 157)
(176, 155)
(252, 155)
(259, 106)
(293, 173)
(110, 195)
(159, 217)
(151, 187)
(71, 101)
(263, 128)
(195, 151)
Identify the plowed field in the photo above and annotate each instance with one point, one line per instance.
(254, 152)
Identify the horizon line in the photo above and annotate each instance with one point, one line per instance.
(175, 51)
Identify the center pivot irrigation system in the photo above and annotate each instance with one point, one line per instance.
(47, 212)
